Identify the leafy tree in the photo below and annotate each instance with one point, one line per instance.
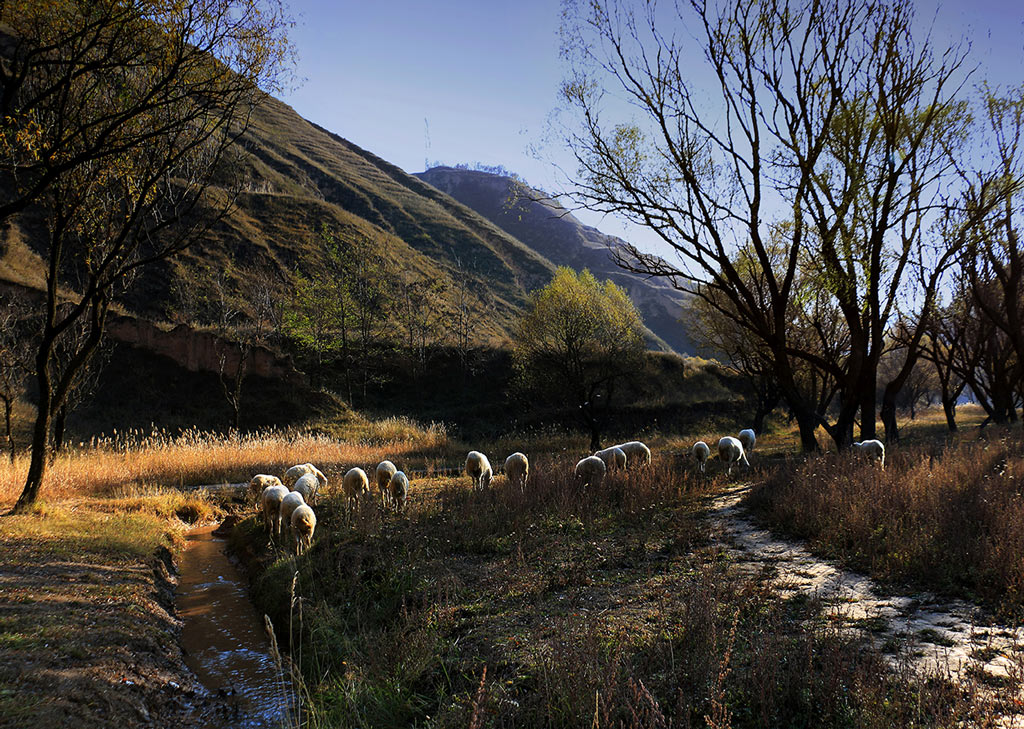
(578, 339)
(116, 119)
(318, 314)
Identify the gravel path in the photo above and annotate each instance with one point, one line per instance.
(949, 637)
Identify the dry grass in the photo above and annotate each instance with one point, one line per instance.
(945, 516)
(127, 462)
(600, 607)
(84, 610)
(929, 424)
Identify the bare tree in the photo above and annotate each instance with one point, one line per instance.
(243, 320)
(826, 115)
(995, 261)
(15, 358)
(117, 122)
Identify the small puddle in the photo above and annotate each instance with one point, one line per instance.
(223, 637)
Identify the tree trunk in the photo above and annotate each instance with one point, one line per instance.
(868, 412)
(595, 438)
(766, 403)
(892, 430)
(949, 408)
(807, 422)
(8, 405)
(60, 421)
(40, 451)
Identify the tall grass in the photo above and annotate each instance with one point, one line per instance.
(566, 606)
(125, 462)
(948, 517)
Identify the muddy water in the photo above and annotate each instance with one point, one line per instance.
(223, 637)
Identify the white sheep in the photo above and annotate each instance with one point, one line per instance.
(271, 500)
(478, 468)
(748, 439)
(308, 485)
(517, 469)
(295, 472)
(385, 470)
(591, 470)
(638, 454)
(701, 452)
(613, 457)
(259, 482)
(398, 487)
(292, 501)
(730, 450)
(873, 449)
(355, 484)
(303, 523)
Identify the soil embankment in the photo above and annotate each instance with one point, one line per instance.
(88, 632)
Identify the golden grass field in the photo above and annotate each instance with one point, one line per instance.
(584, 609)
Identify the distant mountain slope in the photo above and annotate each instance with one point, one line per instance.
(298, 178)
(556, 234)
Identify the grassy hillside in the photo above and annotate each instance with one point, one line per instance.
(551, 230)
(296, 179)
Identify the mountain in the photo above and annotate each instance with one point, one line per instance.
(552, 231)
(298, 178)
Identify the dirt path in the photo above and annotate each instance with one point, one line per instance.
(950, 637)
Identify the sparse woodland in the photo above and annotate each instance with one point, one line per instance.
(844, 197)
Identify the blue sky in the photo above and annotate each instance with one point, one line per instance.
(475, 80)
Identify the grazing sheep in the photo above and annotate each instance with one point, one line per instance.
(517, 469)
(303, 523)
(873, 449)
(385, 470)
(479, 469)
(613, 457)
(295, 472)
(398, 486)
(748, 439)
(292, 501)
(591, 470)
(308, 485)
(259, 482)
(639, 455)
(271, 500)
(730, 450)
(701, 452)
(355, 484)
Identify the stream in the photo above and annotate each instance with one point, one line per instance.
(223, 637)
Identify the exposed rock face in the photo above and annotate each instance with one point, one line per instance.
(199, 351)
(552, 231)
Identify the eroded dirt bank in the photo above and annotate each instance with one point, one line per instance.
(89, 638)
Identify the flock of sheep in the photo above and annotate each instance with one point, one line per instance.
(287, 504)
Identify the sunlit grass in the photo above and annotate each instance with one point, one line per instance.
(944, 515)
(127, 462)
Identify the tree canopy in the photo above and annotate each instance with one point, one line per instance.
(576, 341)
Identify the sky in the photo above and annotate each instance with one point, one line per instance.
(476, 81)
